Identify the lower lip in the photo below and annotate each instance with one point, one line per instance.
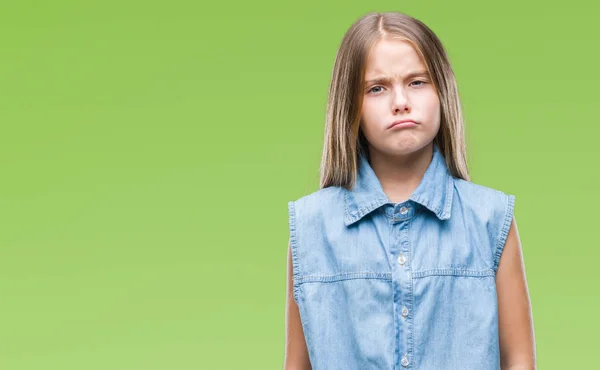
(403, 125)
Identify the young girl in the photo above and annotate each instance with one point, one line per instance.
(398, 260)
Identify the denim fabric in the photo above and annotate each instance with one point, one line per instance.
(411, 285)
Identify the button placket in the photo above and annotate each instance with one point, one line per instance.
(402, 217)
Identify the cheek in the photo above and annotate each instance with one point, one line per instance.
(432, 104)
(369, 117)
(429, 99)
(368, 110)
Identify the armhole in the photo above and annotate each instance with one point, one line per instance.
(294, 246)
(505, 227)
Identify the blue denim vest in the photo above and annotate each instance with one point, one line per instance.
(411, 285)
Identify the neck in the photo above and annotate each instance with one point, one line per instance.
(400, 175)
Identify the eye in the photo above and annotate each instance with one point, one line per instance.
(422, 82)
(374, 87)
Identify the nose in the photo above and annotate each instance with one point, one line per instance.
(400, 101)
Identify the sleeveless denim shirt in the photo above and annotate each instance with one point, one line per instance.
(410, 285)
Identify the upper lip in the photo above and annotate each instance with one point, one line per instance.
(401, 121)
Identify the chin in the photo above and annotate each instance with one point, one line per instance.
(408, 146)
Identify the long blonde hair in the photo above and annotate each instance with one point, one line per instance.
(344, 139)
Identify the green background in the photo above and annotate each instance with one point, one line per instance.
(148, 151)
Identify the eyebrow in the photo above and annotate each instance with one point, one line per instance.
(388, 79)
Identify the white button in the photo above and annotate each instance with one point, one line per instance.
(403, 210)
(404, 311)
(404, 361)
(401, 259)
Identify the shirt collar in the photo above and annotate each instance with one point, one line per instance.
(434, 191)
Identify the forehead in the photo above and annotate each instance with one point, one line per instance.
(393, 56)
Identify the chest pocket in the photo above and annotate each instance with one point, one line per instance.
(456, 247)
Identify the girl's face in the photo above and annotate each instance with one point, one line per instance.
(398, 88)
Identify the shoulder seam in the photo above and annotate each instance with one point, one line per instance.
(501, 241)
(293, 246)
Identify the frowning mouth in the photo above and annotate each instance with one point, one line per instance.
(403, 123)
